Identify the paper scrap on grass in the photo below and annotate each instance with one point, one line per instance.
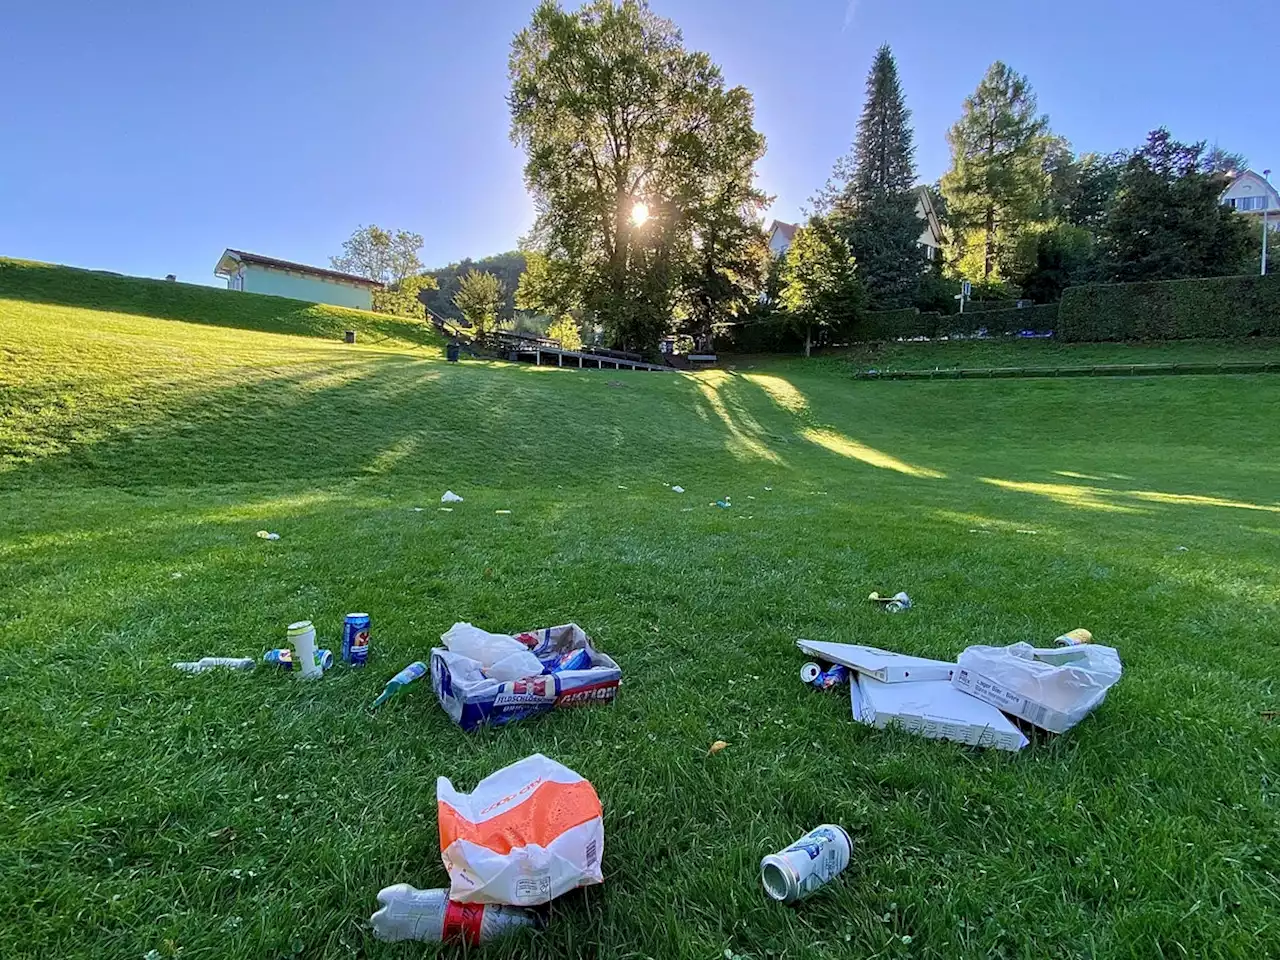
(883, 665)
(450, 497)
(933, 709)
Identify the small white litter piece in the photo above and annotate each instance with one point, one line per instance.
(446, 509)
(1181, 549)
(686, 509)
(264, 535)
(677, 489)
(417, 509)
(502, 511)
(1031, 532)
(768, 488)
(621, 487)
(176, 575)
(450, 497)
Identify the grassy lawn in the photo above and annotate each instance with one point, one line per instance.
(1017, 352)
(252, 816)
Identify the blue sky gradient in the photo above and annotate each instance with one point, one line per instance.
(144, 137)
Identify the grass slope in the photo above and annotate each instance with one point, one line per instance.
(250, 816)
(133, 296)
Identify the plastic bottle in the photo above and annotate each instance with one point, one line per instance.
(409, 914)
(302, 637)
(210, 663)
(401, 680)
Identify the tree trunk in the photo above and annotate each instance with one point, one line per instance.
(808, 338)
(990, 251)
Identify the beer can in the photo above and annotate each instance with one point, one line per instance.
(807, 864)
(283, 658)
(355, 639)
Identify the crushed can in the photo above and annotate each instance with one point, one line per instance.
(283, 658)
(804, 866)
(355, 639)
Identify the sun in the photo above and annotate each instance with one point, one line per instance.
(639, 214)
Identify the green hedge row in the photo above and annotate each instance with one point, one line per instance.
(1172, 309)
(910, 322)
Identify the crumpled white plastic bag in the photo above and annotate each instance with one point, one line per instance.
(500, 656)
(525, 835)
(1054, 689)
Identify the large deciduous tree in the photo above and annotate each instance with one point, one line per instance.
(383, 255)
(1167, 221)
(640, 162)
(820, 288)
(997, 181)
(871, 194)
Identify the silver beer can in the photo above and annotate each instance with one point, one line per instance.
(807, 864)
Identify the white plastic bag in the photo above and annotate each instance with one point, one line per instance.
(501, 657)
(1053, 689)
(525, 835)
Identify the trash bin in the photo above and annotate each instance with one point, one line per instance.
(451, 352)
(350, 336)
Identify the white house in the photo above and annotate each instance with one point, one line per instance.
(280, 278)
(780, 237)
(781, 234)
(1252, 195)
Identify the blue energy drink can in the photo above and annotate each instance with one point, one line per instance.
(573, 660)
(355, 639)
(283, 658)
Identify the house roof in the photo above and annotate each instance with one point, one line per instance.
(1249, 176)
(242, 256)
(788, 230)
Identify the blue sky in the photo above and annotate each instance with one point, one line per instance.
(144, 137)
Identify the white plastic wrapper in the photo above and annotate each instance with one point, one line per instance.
(1052, 689)
(502, 657)
(524, 836)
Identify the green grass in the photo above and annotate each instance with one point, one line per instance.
(1017, 352)
(252, 816)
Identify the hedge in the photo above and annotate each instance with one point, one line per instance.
(891, 324)
(1042, 317)
(1172, 309)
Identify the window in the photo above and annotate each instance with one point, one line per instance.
(1249, 203)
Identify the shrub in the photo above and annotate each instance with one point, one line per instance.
(1172, 309)
(758, 336)
(891, 324)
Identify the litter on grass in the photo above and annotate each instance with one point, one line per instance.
(895, 604)
(527, 834)
(212, 663)
(502, 512)
(677, 489)
(450, 497)
(802, 867)
(716, 747)
(813, 674)
(446, 509)
(1051, 689)
(933, 709)
(264, 535)
(554, 677)
(406, 913)
(401, 680)
(419, 509)
(883, 665)
(723, 504)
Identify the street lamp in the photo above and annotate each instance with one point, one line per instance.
(1266, 175)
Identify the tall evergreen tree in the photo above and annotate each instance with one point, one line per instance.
(997, 181)
(870, 194)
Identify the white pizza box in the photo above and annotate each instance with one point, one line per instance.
(882, 665)
(934, 709)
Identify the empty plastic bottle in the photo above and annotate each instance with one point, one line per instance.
(401, 680)
(409, 914)
(209, 663)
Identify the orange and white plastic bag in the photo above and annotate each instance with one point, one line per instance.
(525, 835)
